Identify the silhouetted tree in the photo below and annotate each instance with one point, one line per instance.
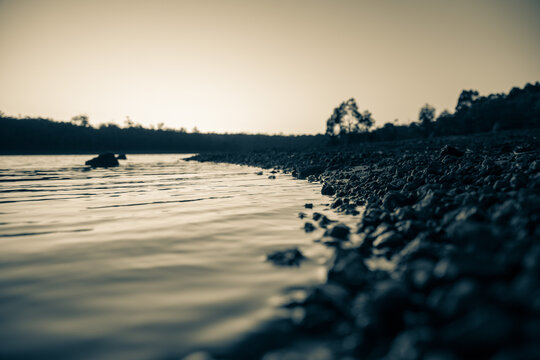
(466, 99)
(426, 115)
(332, 124)
(128, 122)
(367, 120)
(80, 120)
(346, 120)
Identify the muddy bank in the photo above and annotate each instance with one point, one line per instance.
(457, 223)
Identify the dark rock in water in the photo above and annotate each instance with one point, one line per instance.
(309, 227)
(121, 157)
(272, 177)
(259, 173)
(340, 231)
(308, 206)
(450, 150)
(317, 216)
(328, 190)
(337, 203)
(324, 221)
(103, 160)
(290, 257)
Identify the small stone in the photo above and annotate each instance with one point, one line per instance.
(330, 293)
(535, 166)
(309, 227)
(340, 231)
(199, 355)
(389, 301)
(518, 181)
(409, 228)
(404, 213)
(308, 206)
(389, 239)
(505, 211)
(456, 301)
(309, 171)
(425, 207)
(328, 190)
(348, 269)
(473, 234)
(290, 257)
(392, 200)
(452, 151)
(324, 221)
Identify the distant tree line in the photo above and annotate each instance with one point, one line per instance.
(518, 109)
(45, 136)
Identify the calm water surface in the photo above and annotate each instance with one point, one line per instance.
(158, 257)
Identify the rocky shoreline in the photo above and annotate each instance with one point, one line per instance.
(456, 220)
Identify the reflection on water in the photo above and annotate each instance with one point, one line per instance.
(158, 257)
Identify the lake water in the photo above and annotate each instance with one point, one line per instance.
(158, 257)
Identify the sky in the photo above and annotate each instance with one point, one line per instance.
(258, 66)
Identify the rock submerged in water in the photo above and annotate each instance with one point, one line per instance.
(103, 160)
(290, 257)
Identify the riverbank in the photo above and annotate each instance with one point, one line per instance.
(448, 261)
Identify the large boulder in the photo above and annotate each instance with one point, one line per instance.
(103, 160)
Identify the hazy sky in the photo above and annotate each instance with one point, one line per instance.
(258, 66)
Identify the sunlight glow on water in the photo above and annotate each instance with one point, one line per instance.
(158, 257)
